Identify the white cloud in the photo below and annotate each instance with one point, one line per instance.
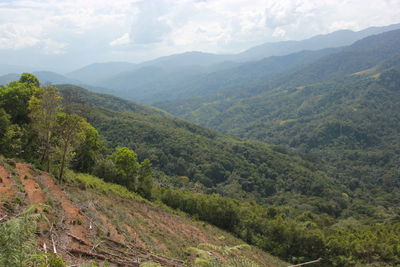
(19, 36)
(53, 47)
(16, 36)
(150, 24)
(124, 39)
(302, 19)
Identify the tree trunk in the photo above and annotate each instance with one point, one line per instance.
(46, 152)
(48, 162)
(63, 160)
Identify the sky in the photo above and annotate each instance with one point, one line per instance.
(67, 34)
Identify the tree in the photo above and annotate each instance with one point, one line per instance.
(4, 122)
(4, 125)
(88, 151)
(29, 79)
(127, 166)
(70, 132)
(72, 102)
(14, 140)
(14, 100)
(105, 168)
(43, 113)
(145, 181)
(12, 136)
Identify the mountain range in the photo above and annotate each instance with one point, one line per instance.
(169, 77)
(295, 151)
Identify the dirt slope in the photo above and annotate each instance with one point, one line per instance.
(92, 223)
(6, 191)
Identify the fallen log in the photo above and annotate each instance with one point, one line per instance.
(306, 263)
(80, 240)
(101, 257)
(147, 253)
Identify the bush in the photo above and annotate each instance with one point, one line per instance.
(18, 239)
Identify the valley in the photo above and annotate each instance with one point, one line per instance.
(282, 154)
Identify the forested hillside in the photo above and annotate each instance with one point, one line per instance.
(205, 161)
(274, 174)
(284, 202)
(220, 163)
(82, 219)
(342, 109)
(85, 221)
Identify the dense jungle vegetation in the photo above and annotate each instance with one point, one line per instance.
(282, 201)
(341, 109)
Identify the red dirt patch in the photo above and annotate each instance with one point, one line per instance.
(5, 183)
(70, 209)
(5, 177)
(35, 193)
(75, 221)
(6, 191)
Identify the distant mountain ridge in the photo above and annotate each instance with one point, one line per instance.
(46, 77)
(187, 59)
(364, 54)
(153, 84)
(93, 73)
(174, 76)
(330, 40)
(52, 78)
(243, 74)
(8, 69)
(193, 74)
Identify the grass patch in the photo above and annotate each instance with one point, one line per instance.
(89, 181)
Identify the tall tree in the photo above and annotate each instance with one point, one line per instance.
(70, 133)
(72, 102)
(4, 125)
(145, 179)
(13, 141)
(127, 166)
(43, 113)
(88, 151)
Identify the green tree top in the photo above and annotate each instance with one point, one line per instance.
(127, 165)
(29, 79)
(14, 99)
(88, 152)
